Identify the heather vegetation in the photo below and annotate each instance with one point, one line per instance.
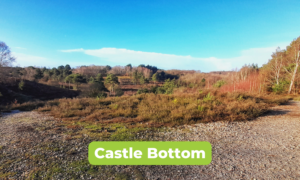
(161, 109)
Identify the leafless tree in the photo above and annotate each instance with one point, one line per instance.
(294, 52)
(6, 59)
(276, 65)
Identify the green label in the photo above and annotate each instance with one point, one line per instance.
(150, 153)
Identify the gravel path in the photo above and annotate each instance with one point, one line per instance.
(265, 148)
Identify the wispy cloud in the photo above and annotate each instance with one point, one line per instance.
(171, 61)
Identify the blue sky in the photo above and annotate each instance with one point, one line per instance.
(170, 34)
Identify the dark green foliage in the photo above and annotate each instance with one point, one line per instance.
(97, 89)
(98, 86)
(143, 80)
(68, 67)
(55, 72)
(143, 90)
(99, 78)
(58, 74)
(162, 76)
(39, 74)
(111, 80)
(152, 68)
(167, 88)
(91, 80)
(155, 77)
(44, 69)
(108, 68)
(48, 72)
(61, 67)
(136, 77)
(66, 72)
(76, 79)
(252, 67)
(118, 91)
(280, 88)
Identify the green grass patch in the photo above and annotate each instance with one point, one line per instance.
(126, 134)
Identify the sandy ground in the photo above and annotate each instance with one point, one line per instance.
(265, 148)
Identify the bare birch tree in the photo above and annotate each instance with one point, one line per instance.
(276, 65)
(294, 52)
(6, 59)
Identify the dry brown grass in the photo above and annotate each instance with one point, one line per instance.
(157, 109)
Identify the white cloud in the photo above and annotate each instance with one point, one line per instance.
(30, 60)
(24, 60)
(166, 61)
(171, 61)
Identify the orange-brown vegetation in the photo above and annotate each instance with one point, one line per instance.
(252, 84)
(204, 80)
(154, 109)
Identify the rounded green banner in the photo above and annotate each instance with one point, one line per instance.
(150, 153)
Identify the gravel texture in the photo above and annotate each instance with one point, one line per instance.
(34, 145)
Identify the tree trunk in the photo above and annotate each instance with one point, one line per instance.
(293, 78)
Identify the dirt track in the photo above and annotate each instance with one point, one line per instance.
(265, 148)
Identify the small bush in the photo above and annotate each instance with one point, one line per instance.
(143, 90)
(101, 95)
(208, 97)
(21, 85)
(279, 88)
(219, 83)
(118, 91)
